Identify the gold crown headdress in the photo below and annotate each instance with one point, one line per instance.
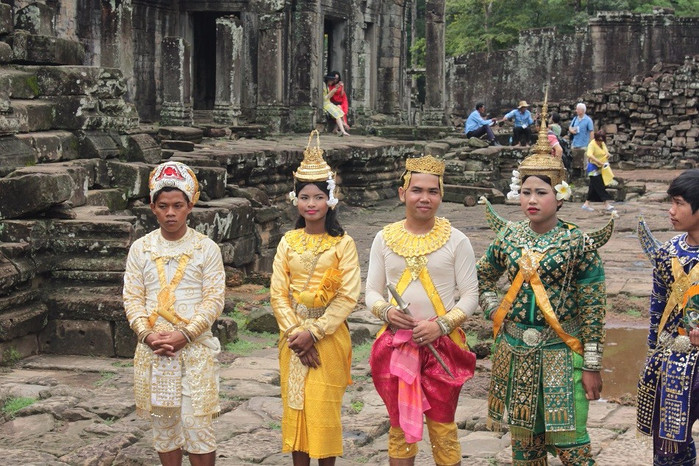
(542, 162)
(174, 175)
(427, 164)
(313, 169)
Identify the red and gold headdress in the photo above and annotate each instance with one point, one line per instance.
(174, 175)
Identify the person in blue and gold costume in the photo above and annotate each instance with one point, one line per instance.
(668, 390)
(549, 328)
(315, 286)
(174, 288)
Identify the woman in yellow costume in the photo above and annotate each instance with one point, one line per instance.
(315, 286)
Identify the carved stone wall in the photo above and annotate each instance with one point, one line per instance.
(612, 47)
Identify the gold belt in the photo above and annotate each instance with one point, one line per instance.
(532, 336)
(306, 312)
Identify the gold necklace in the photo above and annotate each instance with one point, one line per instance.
(308, 256)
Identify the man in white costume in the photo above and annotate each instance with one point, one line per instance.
(174, 288)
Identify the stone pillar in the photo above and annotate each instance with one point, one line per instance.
(177, 89)
(229, 41)
(434, 112)
(116, 40)
(306, 55)
(393, 96)
(271, 108)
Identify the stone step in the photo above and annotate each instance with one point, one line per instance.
(23, 320)
(102, 303)
(34, 115)
(112, 199)
(52, 146)
(19, 83)
(181, 133)
(36, 49)
(14, 153)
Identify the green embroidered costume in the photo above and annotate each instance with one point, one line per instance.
(552, 328)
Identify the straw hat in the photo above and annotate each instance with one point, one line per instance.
(522, 103)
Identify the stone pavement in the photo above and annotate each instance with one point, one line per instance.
(84, 413)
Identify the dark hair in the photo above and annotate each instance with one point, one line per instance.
(547, 180)
(329, 77)
(480, 105)
(336, 75)
(168, 189)
(555, 117)
(332, 225)
(686, 186)
(601, 136)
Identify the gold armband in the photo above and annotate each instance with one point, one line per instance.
(489, 302)
(380, 310)
(452, 319)
(196, 327)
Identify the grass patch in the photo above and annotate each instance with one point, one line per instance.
(360, 353)
(105, 376)
(122, 364)
(248, 342)
(10, 356)
(274, 425)
(14, 404)
(634, 312)
(263, 290)
(356, 406)
(471, 339)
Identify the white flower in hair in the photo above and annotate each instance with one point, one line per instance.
(563, 191)
(515, 174)
(513, 195)
(292, 197)
(514, 186)
(332, 201)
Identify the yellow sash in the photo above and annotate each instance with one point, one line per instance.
(457, 335)
(682, 283)
(528, 271)
(166, 295)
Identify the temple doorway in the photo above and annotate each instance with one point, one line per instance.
(335, 46)
(204, 59)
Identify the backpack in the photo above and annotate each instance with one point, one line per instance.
(567, 154)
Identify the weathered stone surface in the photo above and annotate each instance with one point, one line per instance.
(113, 199)
(34, 115)
(28, 426)
(240, 251)
(36, 49)
(36, 18)
(100, 453)
(181, 133)
(141, 148)
(178, 145)
(21, 321)
(52, 146)
(88, 303)
(67, 80)
(25, 194)
(225, 329)
(132, 177)
(262, 320)
(20, 83)
(77, 174)
(77, 337)
(19, 348)
(15, 153)
(6, 24)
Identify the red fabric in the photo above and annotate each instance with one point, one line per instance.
(441, 391)
(340, 98)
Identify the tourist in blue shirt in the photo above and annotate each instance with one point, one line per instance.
(582, 131)
(476, 125)
(522, 132)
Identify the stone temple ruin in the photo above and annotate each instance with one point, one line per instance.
(93, 94)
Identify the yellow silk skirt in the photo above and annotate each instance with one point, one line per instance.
(317, 429)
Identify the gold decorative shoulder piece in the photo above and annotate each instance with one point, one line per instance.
(406, 244)
(495, 221)
(649, 243)
(300, 241)
(427, 164)
(596, 239)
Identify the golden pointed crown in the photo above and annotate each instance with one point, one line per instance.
(542, 162)
(427, 164)
(313, 167)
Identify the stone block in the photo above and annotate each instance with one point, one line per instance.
(131, 177)
(212, 180)
(36, 49)
(34, 115)
(225, 329)
(18, 297)
(11, 275)
(6, 24)
(114, 199)
(67, 80)
(85, 303)
(15, 153)
(87, 338)
(183, 146)
(77, 174)
(98, 144)
(97, 173)
(181, 133)
(5, 51)
(24, 320)
(21, 347)
(125, 339)
(262, 320)
(31, 193)
(35, 18)
(141, 148)
(52, 146)
(20, 83)
(224, 219)
(240, 252)
(98, 236)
